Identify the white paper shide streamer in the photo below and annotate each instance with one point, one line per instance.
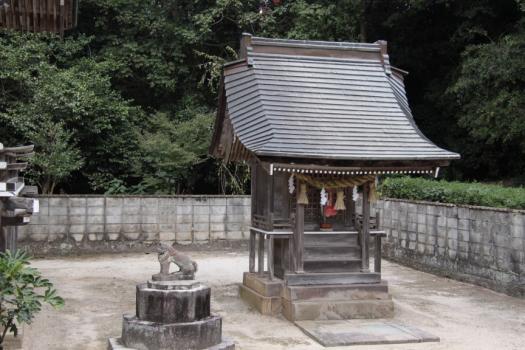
(291, 184)
(324, 197)
(355, 196)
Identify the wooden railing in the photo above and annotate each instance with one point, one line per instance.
(262, 221)
(257, 251)
(55, 16)
(257, 246)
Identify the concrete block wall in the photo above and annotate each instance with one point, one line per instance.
(115, 223)
(480, 245)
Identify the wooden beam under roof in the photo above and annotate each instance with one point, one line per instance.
(335, 170)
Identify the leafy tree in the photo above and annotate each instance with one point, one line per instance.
(40, 89)
(133, 66)
(171, 150)
(489, 93)
(23, 290)
(55, 158)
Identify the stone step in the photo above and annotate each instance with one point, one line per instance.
(332, 264)
(314, 278)
(337, 292)
(330, 309)
(345, 255)
(331, 248)
(347, 238)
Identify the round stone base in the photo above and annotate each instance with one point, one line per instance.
(146, 335)
(226, 344)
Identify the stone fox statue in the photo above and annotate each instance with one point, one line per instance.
(167, 255)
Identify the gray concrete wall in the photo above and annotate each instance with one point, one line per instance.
(480, 245)
(68, 224)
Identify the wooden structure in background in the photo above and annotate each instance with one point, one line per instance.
(55, 16)
(15, 210)
(317, 116)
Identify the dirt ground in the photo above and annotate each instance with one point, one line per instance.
(98, 289)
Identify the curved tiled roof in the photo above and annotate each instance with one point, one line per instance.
(312, 103)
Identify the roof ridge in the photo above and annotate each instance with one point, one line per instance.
(361, 61)
(315, 43)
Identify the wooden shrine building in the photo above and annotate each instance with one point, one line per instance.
(55, 16)
(317, 121)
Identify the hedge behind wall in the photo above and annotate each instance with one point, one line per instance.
(453, 192)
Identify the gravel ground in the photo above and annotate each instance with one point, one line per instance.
(98, 289)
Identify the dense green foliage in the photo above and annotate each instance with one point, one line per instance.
(490, 93)
(23, 290)
(453, 192)
(131, 93)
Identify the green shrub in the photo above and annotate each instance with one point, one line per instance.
(22, 292)
(453, 192)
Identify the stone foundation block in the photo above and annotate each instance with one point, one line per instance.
(146, 335)
(265, 305)
(262, 284)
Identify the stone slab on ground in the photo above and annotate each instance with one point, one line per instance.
(226, 344)
(360, 332)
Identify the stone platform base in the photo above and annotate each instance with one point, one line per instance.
(261, 293)
(368, 300)
(337, 302)
(226, 344)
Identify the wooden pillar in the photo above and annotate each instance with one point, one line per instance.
(252, 251)
(35, 16)
(269, 201)
(253, 188)
(260, 255)
(61, 18)
(365, 229)
(299, 238)
(270, 257)
(253, 193)
(377, 255)
(269, 218)
(350, 208)
(291, 245)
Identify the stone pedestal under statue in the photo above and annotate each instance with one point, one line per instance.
(172, 314)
